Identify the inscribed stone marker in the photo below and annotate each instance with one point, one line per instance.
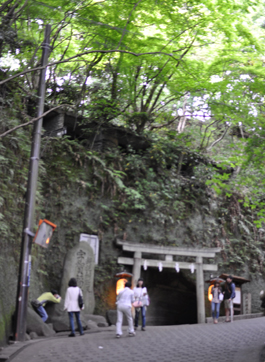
(79, 263)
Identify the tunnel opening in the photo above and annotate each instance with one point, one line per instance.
(172, 297)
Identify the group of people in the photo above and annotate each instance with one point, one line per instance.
(71, 305)
(125, 299)
(226, 293)
(138, 298)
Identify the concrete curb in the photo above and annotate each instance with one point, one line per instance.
(237, 317)
(11, 351)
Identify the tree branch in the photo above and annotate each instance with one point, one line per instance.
(5, 5)
(124, 29)
(85, 53)
(164, 125)
(17, 13)
(204, 136)
(219, 139)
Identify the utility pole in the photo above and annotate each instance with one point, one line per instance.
(27, 235)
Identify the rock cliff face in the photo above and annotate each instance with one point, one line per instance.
(8, 281)
(137, 196)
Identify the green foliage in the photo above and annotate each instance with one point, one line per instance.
(14, 155)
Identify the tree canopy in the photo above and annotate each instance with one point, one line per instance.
(174, 71)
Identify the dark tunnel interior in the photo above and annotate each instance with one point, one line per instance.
(172, 297)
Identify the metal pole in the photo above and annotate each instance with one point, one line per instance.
(25, 256)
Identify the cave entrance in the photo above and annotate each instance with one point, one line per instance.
(166, 259)
(172, 297)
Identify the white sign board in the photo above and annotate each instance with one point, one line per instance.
(93, 241)
(237, 299)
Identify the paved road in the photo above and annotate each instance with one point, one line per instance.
(241, 341)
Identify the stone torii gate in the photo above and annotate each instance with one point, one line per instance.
(169, 251)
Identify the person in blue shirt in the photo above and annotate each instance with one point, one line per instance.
(229, 295)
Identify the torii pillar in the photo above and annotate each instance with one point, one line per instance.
(200, 290)
(137, 267)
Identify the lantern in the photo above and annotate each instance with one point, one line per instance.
(44, 233)
(120, 285)
(210, 296)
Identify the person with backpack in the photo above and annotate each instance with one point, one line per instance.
(229, 295)
(42, 300)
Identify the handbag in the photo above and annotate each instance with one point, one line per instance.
(80, 300)
(146, 300)
(137, 304)
(221, 297)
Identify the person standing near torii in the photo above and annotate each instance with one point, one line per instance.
(229, 295)
(140, 294)
(124, 306)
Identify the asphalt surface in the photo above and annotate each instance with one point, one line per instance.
(241, 341)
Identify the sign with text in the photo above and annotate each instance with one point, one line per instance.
(93, 241)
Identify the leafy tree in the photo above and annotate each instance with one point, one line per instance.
(194, 68)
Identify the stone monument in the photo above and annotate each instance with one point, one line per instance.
(79, 263)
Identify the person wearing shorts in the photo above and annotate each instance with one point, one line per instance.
(229, 295)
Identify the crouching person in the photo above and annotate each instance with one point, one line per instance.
(124, 306)
(42, 300)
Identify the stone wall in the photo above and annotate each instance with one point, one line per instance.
(8, 282)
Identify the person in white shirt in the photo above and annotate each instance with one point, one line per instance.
(72, 307)
(124, 306)
(140, 294)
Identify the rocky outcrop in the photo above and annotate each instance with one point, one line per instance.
(60, 320)
(59, 317)
(35, 324)
(99, 320)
